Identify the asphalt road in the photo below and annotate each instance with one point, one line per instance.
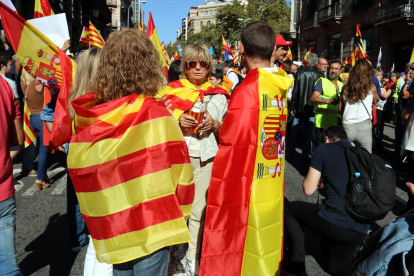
(42, 236)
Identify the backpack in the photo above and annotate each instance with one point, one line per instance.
(370, 196)
(240, 78)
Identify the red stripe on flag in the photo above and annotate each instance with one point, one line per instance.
(13, 25)
(185, 194)
(151, 26)
(175, 84)
(170, 153)
(47, 10)
(139, 217)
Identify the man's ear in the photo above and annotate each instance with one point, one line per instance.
(220, 81)
(241, 48)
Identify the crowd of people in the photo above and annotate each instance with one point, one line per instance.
(145, 153)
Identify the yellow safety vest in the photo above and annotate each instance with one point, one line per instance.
(397, 88)
(327, 114)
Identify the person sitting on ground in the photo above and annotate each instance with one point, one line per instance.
(341, 234)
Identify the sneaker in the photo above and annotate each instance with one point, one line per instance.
(77, 249)
(188, 266)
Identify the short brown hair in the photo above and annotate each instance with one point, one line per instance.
(129, 64)
(258, 39)
(197, 51)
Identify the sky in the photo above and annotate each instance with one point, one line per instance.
(167, 15)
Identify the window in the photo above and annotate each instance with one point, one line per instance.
(208, 23)
(201, 14)
(211, 13)
(201, 24)
(334, 47)
(192, 24)
(215, 12)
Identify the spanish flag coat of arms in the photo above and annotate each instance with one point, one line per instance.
(132, 175)
(243, 233)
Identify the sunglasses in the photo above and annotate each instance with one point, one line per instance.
(193, 64)
(412, 68)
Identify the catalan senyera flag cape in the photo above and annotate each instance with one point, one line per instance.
(37, 54)
(243, 232)
(352, 60)
(94, 37)
(132, 175)
(62, 123)
(152, 34)
(42, 8)
(29, 134)
(182, 95)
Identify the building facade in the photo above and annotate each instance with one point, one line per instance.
(201, 16)
(120, 9)
(328, 28)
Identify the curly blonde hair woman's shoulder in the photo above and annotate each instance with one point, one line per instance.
(129, 64)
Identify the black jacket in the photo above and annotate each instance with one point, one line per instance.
(303, 89)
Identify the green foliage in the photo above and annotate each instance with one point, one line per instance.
(171, 48)
(232, 18)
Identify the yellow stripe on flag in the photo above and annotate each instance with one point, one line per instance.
(133, 245)
(131, 193)
(102, 151)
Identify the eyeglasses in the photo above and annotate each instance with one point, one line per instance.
(193, 64)
(412, 68)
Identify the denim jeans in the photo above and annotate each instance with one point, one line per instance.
(155, 264)
(75, 220)
(8, 260)
(29, 156)
(304, 123)
(37, 125)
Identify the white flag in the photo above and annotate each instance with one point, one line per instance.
(379, 58)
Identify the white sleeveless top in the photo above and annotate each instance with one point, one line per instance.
(356, 112)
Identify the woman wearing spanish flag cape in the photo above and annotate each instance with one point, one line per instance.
(243, 232)
(129, 162)
(199, 108)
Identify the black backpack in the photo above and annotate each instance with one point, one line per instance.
(239, 77)
(372, 195)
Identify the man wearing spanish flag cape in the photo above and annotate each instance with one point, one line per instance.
(243, 232)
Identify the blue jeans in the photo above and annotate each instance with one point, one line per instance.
(155, 264)
(8, 260)
(305, 124)
(37, 125)
(76, 223)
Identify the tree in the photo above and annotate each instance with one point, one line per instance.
(170, 47)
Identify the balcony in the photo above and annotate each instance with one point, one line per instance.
(329, 14)
(397, 11)
(310, 22)
(191, 29)
(111, 3)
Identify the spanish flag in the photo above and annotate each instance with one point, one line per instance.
(164, 52)
(141, 27)
(243, 232)
(361, 53)
(42, 9)
(62, 123)
(346, 61)
(182, 95)
(352, 59)
(305, 59)
(288, 54)
(132, 175)
(37, 54)
(176, 57)
(226, 47)
(152, 34)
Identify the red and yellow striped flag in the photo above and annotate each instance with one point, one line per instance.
(182, 95)
(132, 175)
(37, 54)
(152, 34)
(164, 52)
(141, 27)
(288, 54)
(95, 38)
(244, 215)
(42, 8)
(29, 134)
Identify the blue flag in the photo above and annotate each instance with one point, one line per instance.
(211, 50)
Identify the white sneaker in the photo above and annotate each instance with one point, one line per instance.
(188, 266)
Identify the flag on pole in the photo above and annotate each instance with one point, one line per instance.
(226, 47)
(152, 34)
(37, 54)
(360, 44)
(164, 52)
(42, 8)
(379, 58)
(305, 59)
(211, 50)
(95, 38)
(288, 54)
(131, 209)
(141, 27)
(346, 61)
(392, 69)
(243, 232)
(352, 60)
(176, 57)
(412, 56)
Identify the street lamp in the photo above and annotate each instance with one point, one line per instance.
(139, 11)
(244, 20)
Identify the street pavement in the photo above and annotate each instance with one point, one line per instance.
(42, 234)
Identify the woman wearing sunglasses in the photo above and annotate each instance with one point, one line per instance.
(199, 108)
